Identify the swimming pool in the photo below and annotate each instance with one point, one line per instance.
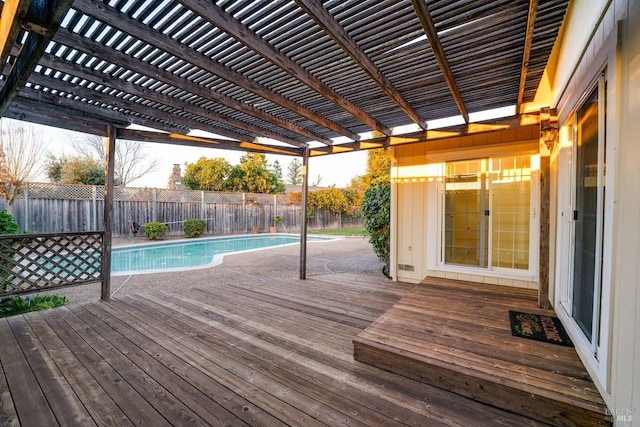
(190, 254)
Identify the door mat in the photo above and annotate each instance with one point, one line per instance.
(538, 327)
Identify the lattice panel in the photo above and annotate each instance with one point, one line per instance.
(220, 197)
(259, 199)
(43, 190)
(36, 262)
(129, 194)
(60, 191)
(164, 195)
(283, 199)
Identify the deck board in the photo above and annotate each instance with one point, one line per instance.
(252, 353)
(456, 336)
(8, 415)
(31, 404)
(66, 407)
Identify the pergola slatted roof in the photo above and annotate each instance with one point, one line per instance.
(297, 71)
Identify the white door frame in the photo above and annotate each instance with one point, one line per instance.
(594, 353)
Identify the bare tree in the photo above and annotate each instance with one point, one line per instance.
(20, 152)
(132, 161)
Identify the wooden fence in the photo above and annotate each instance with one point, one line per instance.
(55, 208)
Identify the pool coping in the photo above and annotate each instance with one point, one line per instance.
(217, 259)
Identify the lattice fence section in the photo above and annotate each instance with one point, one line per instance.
(41, 190)
(37, 262)
(221, 197)
(96, 192)
(259, 199)
(165, 195)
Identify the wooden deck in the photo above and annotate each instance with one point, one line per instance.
(267, 354)
(456, 336)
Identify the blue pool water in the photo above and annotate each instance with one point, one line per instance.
(189, 254)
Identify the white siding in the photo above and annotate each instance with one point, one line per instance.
(615, 47)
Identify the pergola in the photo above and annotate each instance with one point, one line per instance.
(307, 76)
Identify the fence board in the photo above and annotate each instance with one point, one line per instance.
(55, 208)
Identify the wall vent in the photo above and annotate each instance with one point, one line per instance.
(406, 267)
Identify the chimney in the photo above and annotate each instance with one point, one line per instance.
(176, 177)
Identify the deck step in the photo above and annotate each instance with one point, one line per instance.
(456, 336)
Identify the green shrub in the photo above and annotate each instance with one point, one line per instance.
(194, 227)
(155, 230)
(8, 225)
(17, 305)
(376, 212)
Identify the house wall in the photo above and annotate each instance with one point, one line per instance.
(415, 176)
(410, 186)
(625, 358)
(604, 35)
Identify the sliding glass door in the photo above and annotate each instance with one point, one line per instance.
(588, 216)
(487, 212)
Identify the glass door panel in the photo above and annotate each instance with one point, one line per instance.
(466, 204)
(510, 211)
(586, 215)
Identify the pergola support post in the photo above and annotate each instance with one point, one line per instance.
(303, 231)
(108, 212)
(545, 204)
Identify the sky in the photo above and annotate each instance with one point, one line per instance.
(335, 169)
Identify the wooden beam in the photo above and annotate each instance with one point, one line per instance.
(196, 141)
(13, 13)
(159, 97)
(334, 30)
(36, 112)
(229, 24)
(32, 50)
(104, 13)
(161, 75)
(528, 41)
(53, 103)
(429, 28)
(451, 134)
(120, 103)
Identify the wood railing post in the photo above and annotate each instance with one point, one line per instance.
(202, 207)
(94, 207)
(108, 213)
(244, 212)
(154, 205)
(26, 208)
